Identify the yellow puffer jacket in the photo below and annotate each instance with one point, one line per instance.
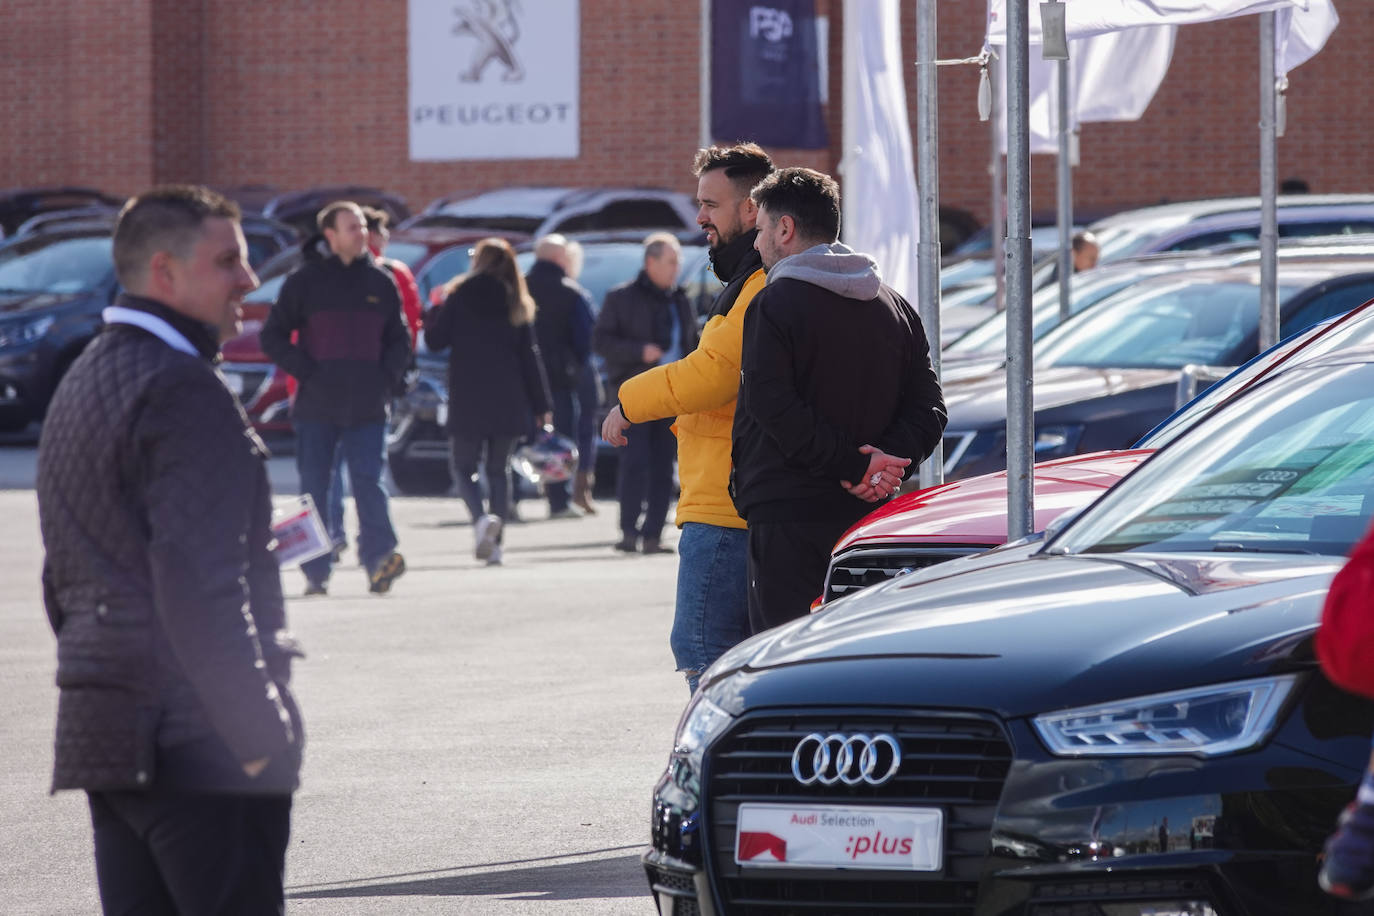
(700, 390)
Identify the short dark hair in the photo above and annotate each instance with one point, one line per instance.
(376, 219)
(167, 218)
(810, 197)
(329, 216)
(745, 164)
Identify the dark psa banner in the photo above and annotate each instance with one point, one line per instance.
(765, 73)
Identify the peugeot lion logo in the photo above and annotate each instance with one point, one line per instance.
(496, 29)
(850, 759)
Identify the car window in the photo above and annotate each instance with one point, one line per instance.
(442, 268)
(268, 291)
(1218, 237)
(1326, 227)
(990, 337)
(624, 214)
(1336, 300)
(64, 266)
(412, 254)
(1166, 326)
(1288, 468)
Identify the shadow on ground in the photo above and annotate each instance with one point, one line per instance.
(622, 876)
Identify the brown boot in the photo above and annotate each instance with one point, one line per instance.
(582, 492)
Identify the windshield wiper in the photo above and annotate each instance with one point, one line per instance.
(1232, 547)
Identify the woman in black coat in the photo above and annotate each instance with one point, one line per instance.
(497, 391)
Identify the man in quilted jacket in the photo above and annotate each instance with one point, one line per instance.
(174, 711)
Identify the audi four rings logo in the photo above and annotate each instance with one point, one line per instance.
(850, 759)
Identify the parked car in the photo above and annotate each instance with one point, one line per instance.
(1108, 376)
(968, 516)
(20, 204)
(300, 208)
(1126, 719)
(418, 446)
(539, 211)
(53, 288)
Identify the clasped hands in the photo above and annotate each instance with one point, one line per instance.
(883, 477)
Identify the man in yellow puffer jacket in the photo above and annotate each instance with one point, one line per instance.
(712, 610)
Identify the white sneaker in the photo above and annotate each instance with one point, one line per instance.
(495, 558)
(488, 529)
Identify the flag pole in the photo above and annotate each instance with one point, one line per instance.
(1065, 271)
(1020, 404)
(928, 181)
(704, 76)
(1269, 233)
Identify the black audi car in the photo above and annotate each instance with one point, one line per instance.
(1125, 720)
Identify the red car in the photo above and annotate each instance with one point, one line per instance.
(970, 516)
(435, 255)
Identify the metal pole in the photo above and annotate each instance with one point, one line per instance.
(1065, 191)
(1020, 406)
(928, 180)
(999, 193)
(704, 75)
(1269, 220)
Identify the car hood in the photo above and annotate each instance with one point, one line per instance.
(974, 511)
(971, 368)
(979, 403)
(16, 303)
(1032, 632)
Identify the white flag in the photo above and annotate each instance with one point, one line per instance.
(1112, 77)
(1299, 34)
(1086, 18)
(880, 199)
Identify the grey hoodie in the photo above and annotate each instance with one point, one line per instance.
(835, 267)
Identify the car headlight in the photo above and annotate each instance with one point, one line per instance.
(1207, 721)
(702, 723)
(1057, 441)
(18, 333)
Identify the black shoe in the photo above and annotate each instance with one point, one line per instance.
(651, 545)
(628, 544)
(315, 588)
(391, 568)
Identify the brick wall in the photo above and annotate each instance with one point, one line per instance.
(123, 93)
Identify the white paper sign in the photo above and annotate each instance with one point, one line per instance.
(299, 532)
(493, 79)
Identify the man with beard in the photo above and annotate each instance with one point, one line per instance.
(712, 609)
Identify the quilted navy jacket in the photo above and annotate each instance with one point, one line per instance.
(173, 655)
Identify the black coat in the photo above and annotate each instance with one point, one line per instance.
(823, 375)
(496, 383)
(635, 314)
(353, 347)
(173, 656)
(563, 324)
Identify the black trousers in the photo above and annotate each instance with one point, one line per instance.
(493, 455)
(787, 566)
(644, 480)
(163, 853)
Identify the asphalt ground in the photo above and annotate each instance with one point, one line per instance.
(481, 740)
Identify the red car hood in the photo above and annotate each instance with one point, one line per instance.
(974, 511)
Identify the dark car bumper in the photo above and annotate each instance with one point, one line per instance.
(27, 378)
(1026, 833)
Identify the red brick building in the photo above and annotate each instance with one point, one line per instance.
(122, 94)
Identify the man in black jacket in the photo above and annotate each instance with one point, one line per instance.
(838, 400)
(563, 327)
(174, 711)
(350, 357)
(645, 323)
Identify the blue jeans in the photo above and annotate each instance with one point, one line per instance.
(334, 517)
(712, 613)
(364, 451)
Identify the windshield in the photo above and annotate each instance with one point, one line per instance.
(1288, 468)
(990, 337)
(1164, 325)
(66, 266)
(1327, 337)
(1123, 240)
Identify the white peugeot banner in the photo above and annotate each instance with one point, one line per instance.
(493, 79)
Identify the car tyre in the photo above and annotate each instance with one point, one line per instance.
(412, 478)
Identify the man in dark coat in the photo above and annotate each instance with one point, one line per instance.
(838, 400)
(175, 713)
(351, 356)
(645, 323)
(563, 325)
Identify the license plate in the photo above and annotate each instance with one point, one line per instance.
(441, 414)
(830, 836)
